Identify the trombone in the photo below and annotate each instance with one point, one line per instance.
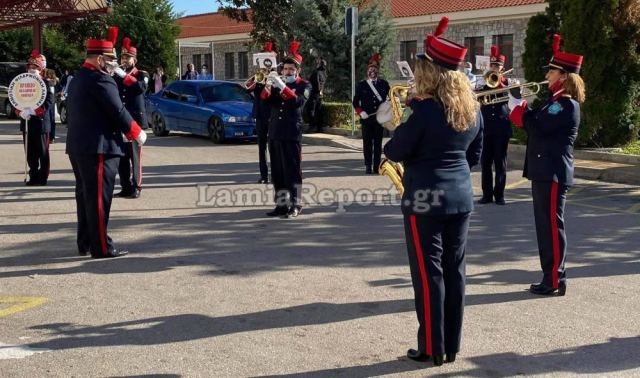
(498, 96)
(492, 79)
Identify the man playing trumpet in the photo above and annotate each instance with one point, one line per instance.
(497, 132)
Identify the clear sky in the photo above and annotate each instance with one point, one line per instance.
(189, 7)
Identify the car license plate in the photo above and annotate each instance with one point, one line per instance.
(239, 133)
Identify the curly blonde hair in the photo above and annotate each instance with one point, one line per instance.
(452, 89)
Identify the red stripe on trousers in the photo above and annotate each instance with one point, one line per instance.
(554, 234)
(425, 285)
(101, 228)
(139, 183)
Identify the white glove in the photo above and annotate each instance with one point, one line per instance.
(511, 81)
(26, 113)
(363, 115)
(119, 72)
(141, 138)
(278, 83)
(513, 102)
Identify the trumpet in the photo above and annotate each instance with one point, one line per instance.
(498, 96)
(492, 79)
(260, 77)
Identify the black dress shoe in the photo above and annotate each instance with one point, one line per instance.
(263, 181)
(122, 194)
(368, 171)
(500, 201)
(293, 212)
(542, 289)
(278, 211)
(483, 200)
(82, 252)
(438, 360)
(417, 355)
(32, 183)
(451, 357)
(135, 194)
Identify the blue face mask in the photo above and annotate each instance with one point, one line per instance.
(467, 71)
(290, 79)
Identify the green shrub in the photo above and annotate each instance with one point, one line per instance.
(337, 114)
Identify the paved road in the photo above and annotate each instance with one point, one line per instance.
(224, 291)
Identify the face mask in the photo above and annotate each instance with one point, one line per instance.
(290, 78)
(44, 63)
(557, 85)
(204, 72)
(373, 75)
(467, 71)
(35, 72)
(109, 67)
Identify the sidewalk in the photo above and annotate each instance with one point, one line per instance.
(589, 165)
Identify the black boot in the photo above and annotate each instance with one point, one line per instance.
(543, 289)
(438, 360)
(451, 357)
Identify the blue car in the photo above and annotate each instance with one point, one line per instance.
(220, 110)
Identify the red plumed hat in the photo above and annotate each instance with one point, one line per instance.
(564, 61)
(127, 49)
(496, 58)
(104, 46)
(36, 59)
(374, 61)
(442, 51)
(268, 47)
(293, 50)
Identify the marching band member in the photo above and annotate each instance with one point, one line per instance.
(439, 141)
(552, 130)
(97, 121)
(132, 85)
(370, 93)
(36, 126)
(261, 112)
(286, 98)
(497, 132)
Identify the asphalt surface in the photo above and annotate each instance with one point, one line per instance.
(216, 289)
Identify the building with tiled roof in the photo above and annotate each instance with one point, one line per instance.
(475, 23)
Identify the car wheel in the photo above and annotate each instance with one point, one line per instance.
(8, 110)
(63, 114)
(216, 131)
(159, 128)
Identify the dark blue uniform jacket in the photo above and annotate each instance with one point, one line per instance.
(437, 160)
(132, 89)
(286, 111)
(366, 100)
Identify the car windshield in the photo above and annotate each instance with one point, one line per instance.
(224, 92)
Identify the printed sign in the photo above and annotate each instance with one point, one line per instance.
(265, 60)
(405, 69)
(27, 91)
(483, 62)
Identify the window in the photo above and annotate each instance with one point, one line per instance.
(408, 51)
(207, 61)
(243, 65)
(475, 47)
(189, 94)
(229, 68)
(197, 62)
(172, 92)
(505, 47)
(224, 92)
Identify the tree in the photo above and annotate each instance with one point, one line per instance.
(607, 33)
(319, 26)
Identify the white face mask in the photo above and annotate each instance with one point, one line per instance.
(44, 63)
(110, 67)
(35, 72)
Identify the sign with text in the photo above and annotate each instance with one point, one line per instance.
(266, 60)
(27, 91)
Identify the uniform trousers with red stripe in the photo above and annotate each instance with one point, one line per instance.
(286, 172)
(549, 198)
(436, 247)
(95, 179)
(130, 168)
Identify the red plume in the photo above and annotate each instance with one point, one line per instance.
(442, 26)
(494, 51)
(268, 46)
(35, 53)
(556, 42)
(293, 48)
(113, 34)
(126, 43)
(376, 57)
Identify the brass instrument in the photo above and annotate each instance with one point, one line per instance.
(260, 77)
(395, 171)
(497, 96)
(492, 79)
(389, 113)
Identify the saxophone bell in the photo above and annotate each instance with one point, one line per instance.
(395, 171)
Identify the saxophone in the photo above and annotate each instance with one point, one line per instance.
(389, 114)
(395, 171)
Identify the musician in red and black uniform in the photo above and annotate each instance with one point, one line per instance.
(497, 132)
(96, 124)
(286, 97)
(262, 113)
(552, 130)
(35, 125)
(132, 85)
(438, 142)
(370, 93)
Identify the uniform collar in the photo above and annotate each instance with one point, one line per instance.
(134, 71)
(558, 94)
(90, 66)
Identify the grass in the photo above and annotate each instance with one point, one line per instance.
(632, 149)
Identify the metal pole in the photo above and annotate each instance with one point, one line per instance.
(179, 61)
(213, 63)
(353, 72)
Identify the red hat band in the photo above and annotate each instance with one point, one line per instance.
(102, 46)
(374, 61)
(36, 59)
(442, 51)
(497, 58)
(127, 49)
(293, 50)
